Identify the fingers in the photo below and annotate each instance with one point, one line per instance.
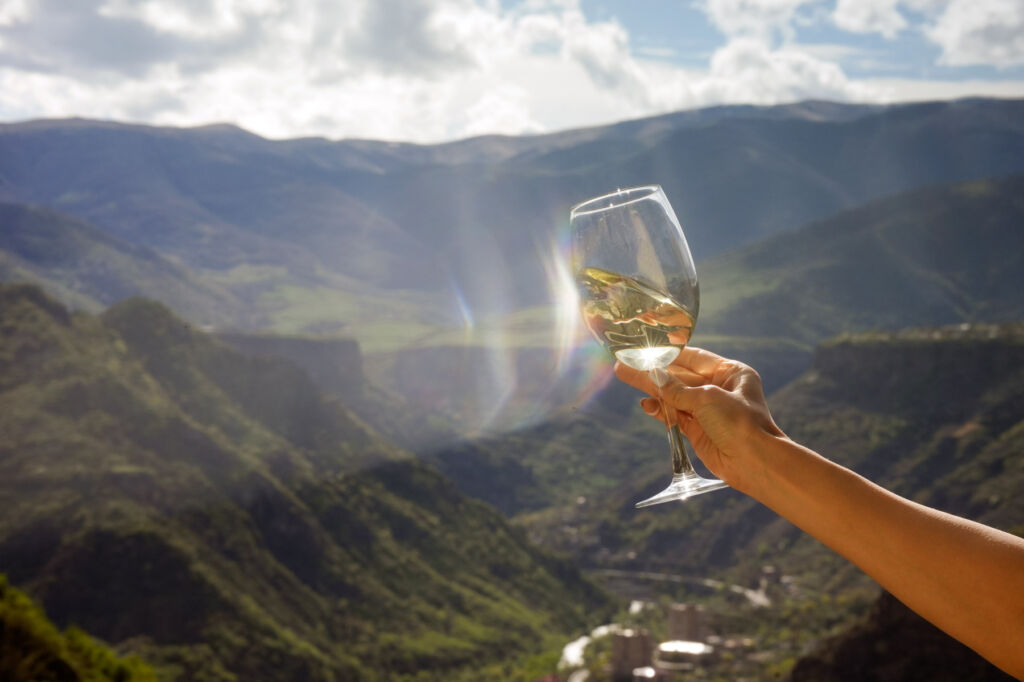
(673, 391)
(636, 378)
(643, 381)
(693, 366)
(687, 423)
(691, 429)
(652, 408)
(698, 360)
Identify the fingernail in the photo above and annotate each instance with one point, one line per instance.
(649, 406)
(660, 377)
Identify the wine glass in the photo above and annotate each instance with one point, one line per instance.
(639, 297)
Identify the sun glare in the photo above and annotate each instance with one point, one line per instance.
(647, 359)
(565, 304)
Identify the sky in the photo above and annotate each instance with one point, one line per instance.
(437, 70)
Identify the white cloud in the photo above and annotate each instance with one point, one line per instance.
(746, 70)
(422, 70)
(869, 16)
(988, 32)
(12, 11)
(604, 53)
(191, 19)
(761, 19)
(505, 108)
(410, 36)
(969, 32)
(412, 69)
(908, 90)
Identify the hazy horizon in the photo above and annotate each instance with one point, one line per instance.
(232, 124)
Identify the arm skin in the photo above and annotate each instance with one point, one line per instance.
(964, 577)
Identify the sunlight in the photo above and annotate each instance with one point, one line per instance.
(646, 359)
(566, 303)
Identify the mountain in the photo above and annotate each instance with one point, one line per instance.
(934, 256)
(426, 254)
(336, 367)
(217, 515)
(938, 255)
(288, 223)
(33, 649)
(930, 256)
(89, 269)
(935, 414)
(213, 198)
(552, 464)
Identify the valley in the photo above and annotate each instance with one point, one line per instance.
(322, 410)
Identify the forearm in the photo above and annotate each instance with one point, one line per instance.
(966, 578)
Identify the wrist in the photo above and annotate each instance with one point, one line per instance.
(768, 455)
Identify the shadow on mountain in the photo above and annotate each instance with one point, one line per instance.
(894, 644)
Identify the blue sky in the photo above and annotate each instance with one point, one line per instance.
(435, 70)
(670, 30)
(682, 33)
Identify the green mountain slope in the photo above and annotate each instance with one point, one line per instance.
(932, 256)
(217, 515)
(213, 198)
(32, 649)
(87, 268)
(936, 415)
(290, 219)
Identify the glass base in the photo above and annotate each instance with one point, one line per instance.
(683, 487)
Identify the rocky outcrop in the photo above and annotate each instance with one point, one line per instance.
(894, 644)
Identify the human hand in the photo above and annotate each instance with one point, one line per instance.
(719, 405)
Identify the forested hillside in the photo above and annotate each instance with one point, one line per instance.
(215, 514)
(32, 649)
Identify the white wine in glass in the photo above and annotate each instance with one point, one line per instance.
(639, 297)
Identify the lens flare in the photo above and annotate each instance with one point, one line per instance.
(465, 312)
(595, 372)
(581, 367)
(518, 366)
(565, 300)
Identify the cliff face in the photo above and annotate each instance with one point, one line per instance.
(935, 414)
(336, 365)
(928, 371)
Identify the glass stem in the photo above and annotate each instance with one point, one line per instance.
(680, 462)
